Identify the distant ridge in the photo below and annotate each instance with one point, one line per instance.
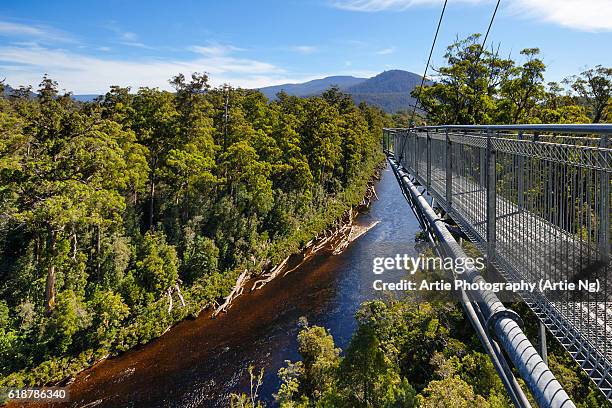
(389, 90)
(8, 90)
(314, 87)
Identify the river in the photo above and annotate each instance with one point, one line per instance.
(199, 362)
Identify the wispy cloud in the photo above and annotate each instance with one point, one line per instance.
(20, 29)
(41, 33)
(214, 49)
(592, 15)
(137, 44)
(380, 5)
(25, 65)
(127, 38)
(386, 51)
(304, 49)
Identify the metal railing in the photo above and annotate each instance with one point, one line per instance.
(536, 200)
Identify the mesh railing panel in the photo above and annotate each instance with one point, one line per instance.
(549, 218)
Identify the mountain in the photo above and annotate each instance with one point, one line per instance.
(389, 90)
(387, 82)
(313, 87)
(8, 90)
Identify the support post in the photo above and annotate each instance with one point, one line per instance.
(416, 152)
(543, 349)
(449, 171)
(384, 140)
(491, 196)
(521, 177)
(483, 166)
(604, 208)
(428, 180)
(387, 141)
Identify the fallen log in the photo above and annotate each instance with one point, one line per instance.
(236, 291)
(267, 277)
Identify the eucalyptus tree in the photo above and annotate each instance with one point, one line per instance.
(594, 87)
(522, 90)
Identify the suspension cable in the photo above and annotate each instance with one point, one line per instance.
(484, 42)
(416, 102)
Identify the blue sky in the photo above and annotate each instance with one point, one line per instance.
(89, 45)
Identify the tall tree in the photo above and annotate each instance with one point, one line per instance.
(155, 124)
(522, 89)
(594, 86)
(465, 89)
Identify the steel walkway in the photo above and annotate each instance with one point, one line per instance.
(535, 200)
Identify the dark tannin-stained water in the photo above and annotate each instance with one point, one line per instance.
(200, 362)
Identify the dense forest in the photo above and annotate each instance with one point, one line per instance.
(123, 216)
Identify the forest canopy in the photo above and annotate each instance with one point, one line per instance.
(122, 216)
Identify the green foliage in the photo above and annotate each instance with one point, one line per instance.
(594, 88)
(320, 359)
(158, 265)
(451, 392)
(201, 258)
(476, 86)
(68, 317)
(406, 354)
(108, 312)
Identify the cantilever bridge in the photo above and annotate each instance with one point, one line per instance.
(536, 200)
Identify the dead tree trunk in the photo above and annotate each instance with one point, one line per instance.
(237, 291)
(50, 286)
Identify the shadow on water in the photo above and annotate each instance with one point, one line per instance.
(200, 362)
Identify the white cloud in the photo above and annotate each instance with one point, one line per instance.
(304, 49)
(386, 51)
(128, 36)
(592, 15)
(380, 5)
(137, 44)
(45, 34)
(25, 65)
(19, 29)
(215, 49)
